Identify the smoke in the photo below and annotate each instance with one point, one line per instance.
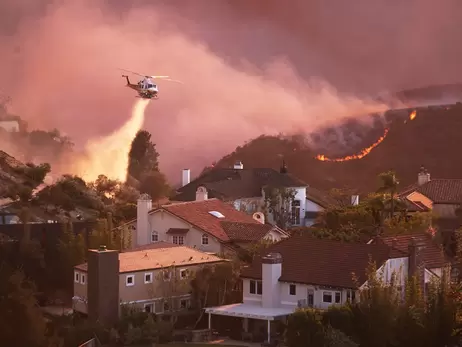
(244, 74)
(109, 154)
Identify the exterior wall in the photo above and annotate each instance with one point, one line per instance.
(161, 221)
(300, 194)
(417, 197)
(80, 291)
(445, 210)
(141, 293)
(397, 266)
(249, 205)
(300, 297)
(10, 125)
(311, 207)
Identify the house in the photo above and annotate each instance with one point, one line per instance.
(209, 225)
(303, 271)
(154, 278)
(245, 188)
(442, 196)
(10, 125)
(432, 255)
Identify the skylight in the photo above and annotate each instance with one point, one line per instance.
(216, 214)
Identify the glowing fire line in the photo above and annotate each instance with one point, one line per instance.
(359, 155)
(366, 150)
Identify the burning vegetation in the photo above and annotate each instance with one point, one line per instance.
(364, 151)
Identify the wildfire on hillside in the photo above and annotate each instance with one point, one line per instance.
(359, 155)
(413, 115)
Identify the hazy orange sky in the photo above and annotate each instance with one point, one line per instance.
(249, 67)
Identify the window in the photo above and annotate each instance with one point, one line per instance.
(327, 297)
(130, 280)
(295, 212)
(183, 274)
(149, 308)
(184, 304)
(338, 297)
(256, 287)
(178, 240)
(154, 236)
(83, 279)
(252, 289)
(217, 214)
(292, 289)
(148, 277)
(167, 275)
(205, 239)
(77, 277)
(353, 296)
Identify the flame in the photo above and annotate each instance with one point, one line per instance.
(359, 155)
(109, 155)
(413, 115)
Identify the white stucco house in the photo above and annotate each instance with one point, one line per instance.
(245, 189)
(303, 271)
(209, 225)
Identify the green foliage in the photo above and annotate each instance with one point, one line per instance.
(21, 321)
(143, 156)
(278, 205)
(305, 328)
(68, 193)
(143, 167)
(337, 338)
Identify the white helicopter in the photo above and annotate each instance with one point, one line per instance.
(146, 88)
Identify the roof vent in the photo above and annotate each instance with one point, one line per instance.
(102, 248)
(217, 214)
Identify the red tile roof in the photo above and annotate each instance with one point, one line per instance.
(197, 213)
(440, 191)
(432, 253)
(306, 259)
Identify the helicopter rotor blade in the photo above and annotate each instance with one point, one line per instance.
(166, 78)
(135, 73)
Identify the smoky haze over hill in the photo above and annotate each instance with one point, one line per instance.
(249, 68)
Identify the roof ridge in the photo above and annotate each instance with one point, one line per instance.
(190, 202)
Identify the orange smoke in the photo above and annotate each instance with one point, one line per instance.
(109, 155)
(413, 115)
(360, 155)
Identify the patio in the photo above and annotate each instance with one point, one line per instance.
(247, 311)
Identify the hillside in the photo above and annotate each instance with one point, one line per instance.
(432, 139)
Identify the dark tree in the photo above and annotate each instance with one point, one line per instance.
(21, 321)
(143, 156)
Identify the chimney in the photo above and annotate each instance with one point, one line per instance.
(103, 285)
(283, 168)
(355, 200)
(416, 266)
(423, 176)
(186, 177)
(271, 272)
(259, 216)
(143, 228)
(238, 165)
(394, 243)
(201, 193)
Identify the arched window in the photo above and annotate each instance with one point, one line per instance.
(205, 239)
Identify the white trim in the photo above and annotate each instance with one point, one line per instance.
(126, 280)
(253, 298)
(149, 281)
(249, 311)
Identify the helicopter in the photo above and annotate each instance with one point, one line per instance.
(146, 88)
